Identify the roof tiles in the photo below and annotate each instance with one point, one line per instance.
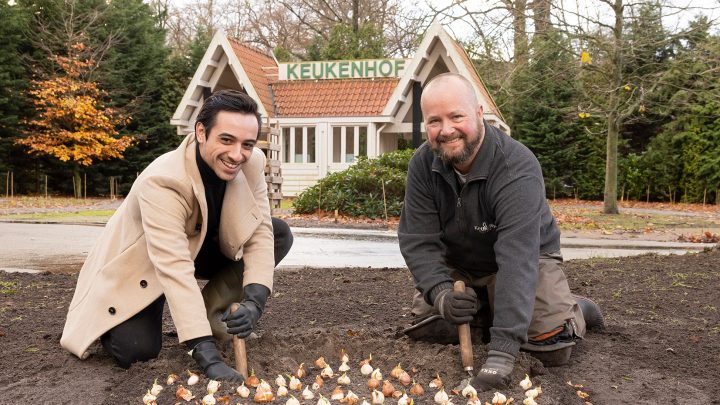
(332, 98)
(260, 68)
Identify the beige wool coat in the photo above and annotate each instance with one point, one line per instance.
(148, 247)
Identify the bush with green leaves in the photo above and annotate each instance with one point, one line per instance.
(358, 190)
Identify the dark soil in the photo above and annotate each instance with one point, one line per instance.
(661, 343)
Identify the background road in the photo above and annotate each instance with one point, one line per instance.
(63, 248)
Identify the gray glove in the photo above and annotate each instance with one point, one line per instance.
(455, 307)
(495, 373)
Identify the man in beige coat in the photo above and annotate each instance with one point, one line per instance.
(198, 212)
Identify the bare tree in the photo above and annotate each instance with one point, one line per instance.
(618, 82)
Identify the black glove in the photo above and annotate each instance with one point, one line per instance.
(243, 320)
(495, 373)
(208, 357)
(455, 307)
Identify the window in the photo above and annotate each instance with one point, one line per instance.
(298, 144)
(348, 142)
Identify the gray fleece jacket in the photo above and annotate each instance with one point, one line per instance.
(498, 222)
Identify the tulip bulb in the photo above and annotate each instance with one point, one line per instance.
(243, 391)
(343, 379)
(395, 373)
(351, 398)
(366, 361)
(292, 401)
(529, 401)
(213, 386)
(405, 378)
(366, 369)
(156, 388)
(307, 394)
(469, 391)
(300, 372)
(183, 393)
(264, 386)
(264, 396)
(499, 399)
(403, 400)
(192, 378)
(376, 374)
(373, 383)
(441, 397)
(533, 393)
(436, 382)
(387, 388)
(280, 381)
(321, 363)
(208, 399)
(343, 356)
(337, 394)
(149, 399)
(171, 379)
(417, 389)
(252, 380)
(344, 367)
(323, 401)
(294, 384)
(474, 401)
(377, 397)
(282, 391)
(365, 402)
(327, 372)
(526, 383)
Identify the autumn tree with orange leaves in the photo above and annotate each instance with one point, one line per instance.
(72, 122)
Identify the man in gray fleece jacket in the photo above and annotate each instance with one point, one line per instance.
(475, 210)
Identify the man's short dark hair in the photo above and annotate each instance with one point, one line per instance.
(226, 100)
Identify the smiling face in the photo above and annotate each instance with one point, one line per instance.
(229, 143)
(453, 120)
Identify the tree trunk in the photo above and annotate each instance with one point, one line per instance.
(610, 195)
(541, 17)
(77, 183)
(520, 38)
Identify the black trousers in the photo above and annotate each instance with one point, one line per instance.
(140, 337)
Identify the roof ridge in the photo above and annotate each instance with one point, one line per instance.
(249, 47)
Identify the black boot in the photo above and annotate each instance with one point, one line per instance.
(208, 357)
(591, 312)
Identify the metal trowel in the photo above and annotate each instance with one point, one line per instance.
(466, 353)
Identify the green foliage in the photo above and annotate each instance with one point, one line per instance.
(14, 80)
(543, 116)
(358, 190)
(137, 72)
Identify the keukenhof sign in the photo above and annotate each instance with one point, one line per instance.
(341, 69)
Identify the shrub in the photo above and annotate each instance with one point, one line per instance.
(358, 190)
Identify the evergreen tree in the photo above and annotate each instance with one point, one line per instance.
(14, 79)
(543, 116)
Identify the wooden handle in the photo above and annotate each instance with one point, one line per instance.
(239, 349)
(466, 353)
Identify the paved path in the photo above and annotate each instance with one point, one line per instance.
(22, 244)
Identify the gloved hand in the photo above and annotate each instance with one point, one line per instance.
(456, 307)
(495, 373)
(208, 358)
(244, 319)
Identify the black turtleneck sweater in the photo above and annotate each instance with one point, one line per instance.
(214, 194)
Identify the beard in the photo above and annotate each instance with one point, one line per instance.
(466, 153)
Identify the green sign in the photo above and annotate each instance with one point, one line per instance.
(341, 69)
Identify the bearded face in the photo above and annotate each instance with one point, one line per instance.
(458, 148)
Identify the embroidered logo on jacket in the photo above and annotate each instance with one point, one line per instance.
(485, 227)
